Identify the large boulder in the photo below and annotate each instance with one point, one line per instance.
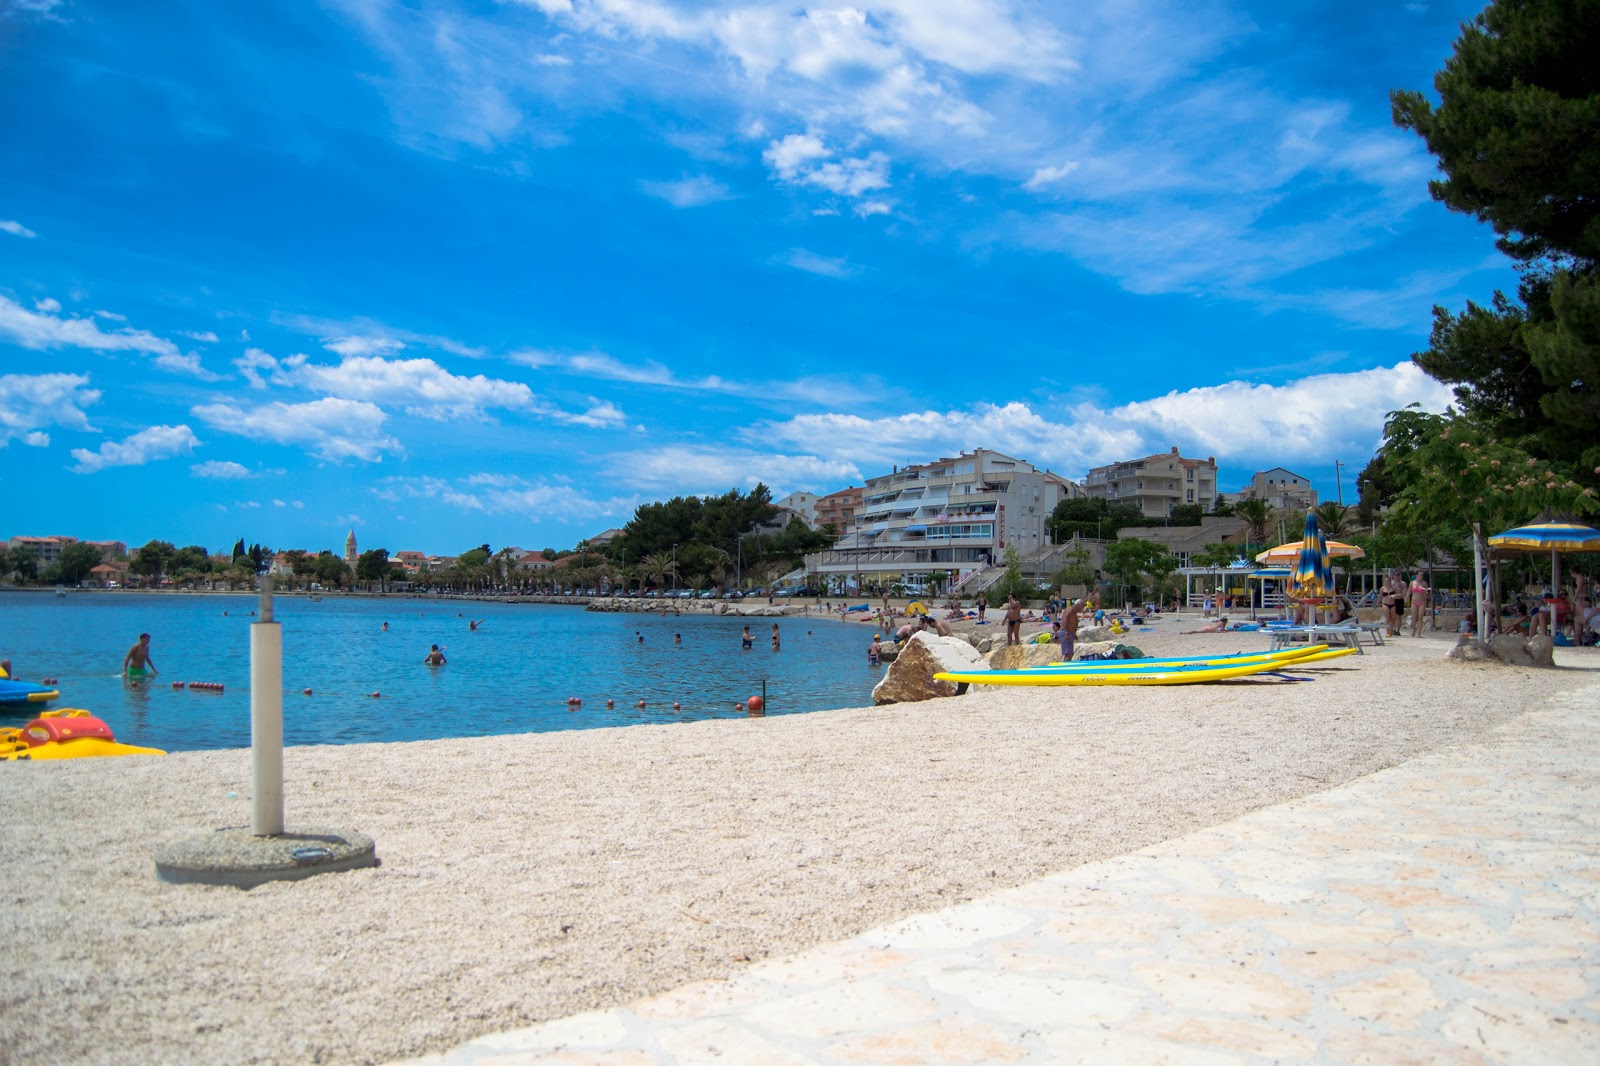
(1506, 648)
(1090, 634)
(910, 676)
(1018, 656)
(1094, 649)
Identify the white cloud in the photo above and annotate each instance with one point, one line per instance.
(203, 336)
(111, 315)
(362, 345)
(812, 263)
(600, 365)
(221, 470)
(147, 445)
(421, 386)
(186, 363)
(1049, 175)
(333, 429)
(708, 469)
(805, 159)
(15, 228)
(39, 330)
(601, 414)
(689, 192)
(252, 362)
(536, 501)
(47, 305)
(1316, 418)
(363, 336)
(31, 402)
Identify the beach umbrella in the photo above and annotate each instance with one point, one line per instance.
(1553, 537)
(1289, 554)
(1313, 575)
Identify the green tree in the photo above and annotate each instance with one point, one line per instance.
(1185, 514)
(191, 557)
(76, 561)
(1515, 129)
(1517, 135)
(330, 570)
(1257, 518)
(373, 565)
(153, 559)
(1132, 560)
(1335, 520)
(25, 562)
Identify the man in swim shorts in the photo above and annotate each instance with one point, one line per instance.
(137, 663)
(1069, 630)
(1013, 621)
(748, 640)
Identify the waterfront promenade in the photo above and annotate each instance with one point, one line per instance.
(1446, 910)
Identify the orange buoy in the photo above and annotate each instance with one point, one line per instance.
(757, 704)
(639, 704)
(375, 695)
(675, 705)
(177, 684)
(611, 703)
(738, 706)
(307, 692)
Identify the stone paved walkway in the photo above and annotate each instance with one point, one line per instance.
(1443, 911)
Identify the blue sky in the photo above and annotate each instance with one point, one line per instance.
(455, 272)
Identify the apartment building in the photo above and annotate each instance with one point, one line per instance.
(47, 550)
(801, 505)
(1280, 488)
(1157, 483)
(953, 516)
(839, 508)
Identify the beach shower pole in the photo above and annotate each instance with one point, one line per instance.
(266, 719)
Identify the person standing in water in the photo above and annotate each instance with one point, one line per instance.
(137, 663)
(435, 657)
(774, 636)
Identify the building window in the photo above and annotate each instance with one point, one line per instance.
(1191, 495)
(1189, 474)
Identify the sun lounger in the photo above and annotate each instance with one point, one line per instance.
(1283, 636)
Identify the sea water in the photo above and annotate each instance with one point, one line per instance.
(513, 674)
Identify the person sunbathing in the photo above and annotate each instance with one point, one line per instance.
(1220, 625)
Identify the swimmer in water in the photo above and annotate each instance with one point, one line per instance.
(435, 657)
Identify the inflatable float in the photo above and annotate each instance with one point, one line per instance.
(64, 734)
(1148, 675)
(14, 694)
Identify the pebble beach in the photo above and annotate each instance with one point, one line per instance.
(529, 877)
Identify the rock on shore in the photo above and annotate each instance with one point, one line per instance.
(910, 676)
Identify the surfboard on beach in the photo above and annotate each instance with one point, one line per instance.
(1235, 659)
(1159, 675)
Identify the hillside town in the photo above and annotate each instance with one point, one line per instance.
(948, 526)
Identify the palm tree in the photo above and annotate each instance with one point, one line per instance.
(661, 567)
(1334, 520)
(1257, 518)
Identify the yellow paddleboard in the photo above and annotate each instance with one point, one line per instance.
(1152, 676)
(1237, 659)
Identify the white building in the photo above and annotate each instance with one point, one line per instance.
(801, 505)
(951, 516)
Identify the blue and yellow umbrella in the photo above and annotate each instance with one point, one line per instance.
(1313, 573)
(1553, 537)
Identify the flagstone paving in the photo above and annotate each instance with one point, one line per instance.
(1443, 911)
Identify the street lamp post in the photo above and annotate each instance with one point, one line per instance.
(1338, 482)
(674, 568)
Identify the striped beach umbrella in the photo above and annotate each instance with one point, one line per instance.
(1553, 537)
(1289, 554)
(1313, 574)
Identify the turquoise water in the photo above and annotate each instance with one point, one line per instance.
(513, 675)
